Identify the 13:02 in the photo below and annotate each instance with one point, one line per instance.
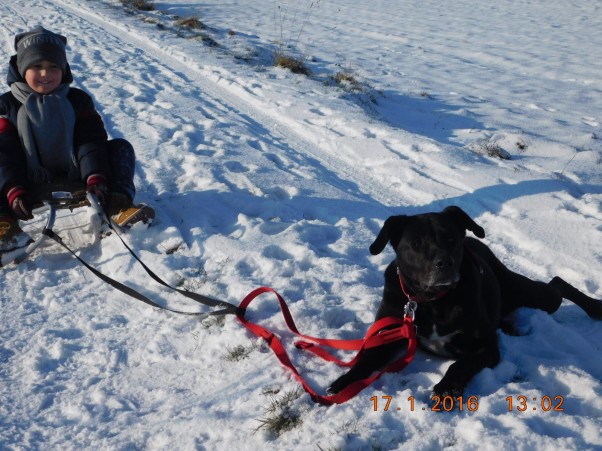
(546, 403)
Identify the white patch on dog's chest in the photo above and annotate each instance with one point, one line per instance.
(436, 343)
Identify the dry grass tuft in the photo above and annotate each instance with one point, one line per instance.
(141, 5)
(347, 81)
(295, 65)
(191, 22)
(280, 417)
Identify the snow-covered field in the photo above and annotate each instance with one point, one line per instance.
(277, 179)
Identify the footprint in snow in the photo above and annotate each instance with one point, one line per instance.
(235, 166)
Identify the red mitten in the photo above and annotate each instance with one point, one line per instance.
(20, 204)
(97, 185)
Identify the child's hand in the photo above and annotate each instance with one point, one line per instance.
(97, 185)
(20, 204)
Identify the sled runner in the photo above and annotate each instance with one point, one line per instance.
(47, 201)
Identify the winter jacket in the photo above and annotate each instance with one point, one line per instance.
(89, 140)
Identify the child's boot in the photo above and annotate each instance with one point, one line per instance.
(11, 235)
(125, 214)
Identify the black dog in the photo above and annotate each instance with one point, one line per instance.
(462, 290)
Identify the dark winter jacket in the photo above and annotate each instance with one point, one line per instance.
(89, 140)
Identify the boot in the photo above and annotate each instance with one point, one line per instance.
(125, 214)
(11, 235)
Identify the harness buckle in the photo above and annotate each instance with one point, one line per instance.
(385, 336)
(266, 335)
(410, 309)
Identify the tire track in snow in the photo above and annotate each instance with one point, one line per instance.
(305, 144)
(210, 90)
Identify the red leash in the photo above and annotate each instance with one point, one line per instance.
(376, 336)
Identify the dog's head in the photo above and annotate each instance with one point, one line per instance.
(429, 249)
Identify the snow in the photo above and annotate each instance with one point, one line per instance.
(277, 179)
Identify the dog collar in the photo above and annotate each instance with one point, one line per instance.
(410, 297)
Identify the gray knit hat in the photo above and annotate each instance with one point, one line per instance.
(37, 45)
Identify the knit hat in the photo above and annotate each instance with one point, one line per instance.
(37, 45)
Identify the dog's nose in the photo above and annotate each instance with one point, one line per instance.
(443, 262)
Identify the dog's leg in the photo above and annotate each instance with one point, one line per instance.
(463, 370)
(370, 360)
(591, 306)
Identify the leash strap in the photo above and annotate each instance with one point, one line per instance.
(376, 336)
(227, 308)
(202, 299)
(115, 284)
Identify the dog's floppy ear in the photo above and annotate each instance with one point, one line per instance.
(461, 218)
(391, 231)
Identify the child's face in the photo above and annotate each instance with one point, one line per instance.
(43, 77)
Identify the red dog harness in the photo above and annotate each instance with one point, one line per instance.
(383, 331)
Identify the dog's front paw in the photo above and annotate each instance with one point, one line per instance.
(442, 391)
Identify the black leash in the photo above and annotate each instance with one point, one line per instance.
(227, 308)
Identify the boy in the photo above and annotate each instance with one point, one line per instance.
(51, 134)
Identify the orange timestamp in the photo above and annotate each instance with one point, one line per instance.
(439, 403)
(545, 403)
(471, 403)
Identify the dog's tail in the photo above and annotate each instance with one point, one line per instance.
(591, 306)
